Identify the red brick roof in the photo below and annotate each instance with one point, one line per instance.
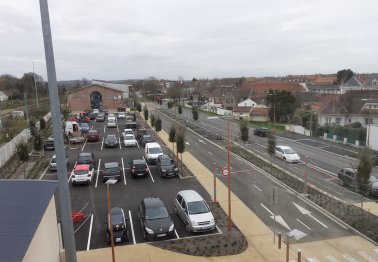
(259, 111)
(265, 87)
(242, 109)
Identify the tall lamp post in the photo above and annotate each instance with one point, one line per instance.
(110, 225)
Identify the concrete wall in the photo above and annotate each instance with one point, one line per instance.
(44, 247)
(372, 136)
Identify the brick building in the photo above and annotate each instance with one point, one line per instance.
(94, 96)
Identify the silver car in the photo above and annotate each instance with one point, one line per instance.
(194, 211)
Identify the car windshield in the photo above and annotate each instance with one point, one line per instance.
(111, 170)
(111, 138)
(84, 125)
(197, 207)
(165, 162)
(155, 150)
(85, 158)
(81, 172)
(140, 166)
(92, 133)
(156, 213)
(129, 138)
(288, 151)
(53, 160)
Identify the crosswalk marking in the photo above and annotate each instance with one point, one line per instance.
(331, 259)
(367, 256)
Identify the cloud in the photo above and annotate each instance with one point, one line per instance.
(199, 38)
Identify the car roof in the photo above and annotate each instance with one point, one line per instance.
(93, 131)
(139, 161)
(111, 136)
(127, 129)
(262, 128)
(153, 202)
(350, 169)
(129, 135)
(283, 147)
(83, 167)
(85, 154)
(152, 144)
(191, 195)
(111, 164)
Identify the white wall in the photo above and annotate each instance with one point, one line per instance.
(372, 136)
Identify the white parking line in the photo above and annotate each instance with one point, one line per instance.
(102, 143)
(123, 171)
(117, 128)
(153, 181)
(72, 172)
(81, 224)
(257, 187)
(304, 224)
(84, 145)
(98, 171)
(137, 144)
(90, 233)
(210, 153)
(44, 172)
(132, 227)
(104, 128)
(177, 234)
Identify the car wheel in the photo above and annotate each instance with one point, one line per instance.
(187, 227)
(145, 236)
(284, 159)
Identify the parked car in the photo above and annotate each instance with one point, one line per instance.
(348, 178)
(49, 144)
(93, 136)
(96, 111)
(261, 131)
(82, 173)
(111, 170)
(111, 122)
(140, 133)
(121, 115)
(84, 119)
(100, 117)
(154, 218)
(111, 141)
(84, 128)
(119, 226)
(53, 166)
(194, 211)
(92, 116)
(127, 131)
(287, 154)
(146, 139)
(129, 140)
(86, 158)
(166, 166)
(138, 167)
(151, 152)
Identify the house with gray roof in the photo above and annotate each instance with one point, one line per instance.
(352, 84)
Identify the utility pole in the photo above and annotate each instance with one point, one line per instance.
(26, 108)
(229, 175)
(35, 88)
(64, 194)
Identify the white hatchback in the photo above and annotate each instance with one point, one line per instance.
(287, 154)
(129, 140)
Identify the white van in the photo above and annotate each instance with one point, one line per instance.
(151, 152)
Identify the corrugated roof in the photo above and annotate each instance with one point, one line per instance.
(22, 204)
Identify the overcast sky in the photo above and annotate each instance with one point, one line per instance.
(123, 39)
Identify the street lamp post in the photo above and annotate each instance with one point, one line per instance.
(110, 225)
(229, 175)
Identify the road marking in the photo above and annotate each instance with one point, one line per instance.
(123, 171)
(90, 233)
(102, 143)
(187, 143)
(267, 209)
(257, 187)
(177, 236)
(201, 141)
(212, 117)
(365, 255)
(117, 128)
(104, 128)
(307, 212)
(132, 227)
(153, 181)
(98, 171)
(349, 258)
(280, 220)
(119, 142)
(312, 259)
(44, 172)
(82, 224)
(137, 144)
(210, 153)
(304, 224)
(331, 259)
(84, 145)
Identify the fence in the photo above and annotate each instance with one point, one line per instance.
(9, 148)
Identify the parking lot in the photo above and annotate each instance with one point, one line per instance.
(127, 194)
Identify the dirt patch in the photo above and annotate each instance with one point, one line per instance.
(226, 243)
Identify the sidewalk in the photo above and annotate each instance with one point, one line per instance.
(259, 236)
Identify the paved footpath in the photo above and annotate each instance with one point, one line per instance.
(259, 236)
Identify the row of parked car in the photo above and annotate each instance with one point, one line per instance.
(156, 221)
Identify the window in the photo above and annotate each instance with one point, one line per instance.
(328, 120)
(368, 121)
(350, 120)
(338, 120)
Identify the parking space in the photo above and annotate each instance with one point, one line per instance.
(91, 200)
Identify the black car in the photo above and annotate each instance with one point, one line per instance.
(86, 158)
(261, 131)
(111, 170)
(146, 139)
(138, 167)
(49, 144)
(111, 141)
(348, 178)
(140, 133)
(166, 166)
(120, 232)
(154, 218)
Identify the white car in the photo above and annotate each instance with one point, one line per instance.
(111, 123)
(121, 115)
(129, 140)
(287, 154)
(82, 174)
(127, 131)
(194, 211)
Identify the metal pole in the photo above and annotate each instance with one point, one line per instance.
(64, 195)
(26, 108)
(287, 247)
(215, 183)
(110, 225)
(229, 175)
(35, 87)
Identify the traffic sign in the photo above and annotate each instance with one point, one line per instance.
(225, 171)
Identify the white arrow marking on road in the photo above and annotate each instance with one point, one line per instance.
(201, 141)
(212, 117)
(307, 212)
(279, 219)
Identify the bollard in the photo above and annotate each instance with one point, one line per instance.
(299, 255)
(279, 240)
(287, 248)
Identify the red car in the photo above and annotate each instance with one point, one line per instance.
(93, 136)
